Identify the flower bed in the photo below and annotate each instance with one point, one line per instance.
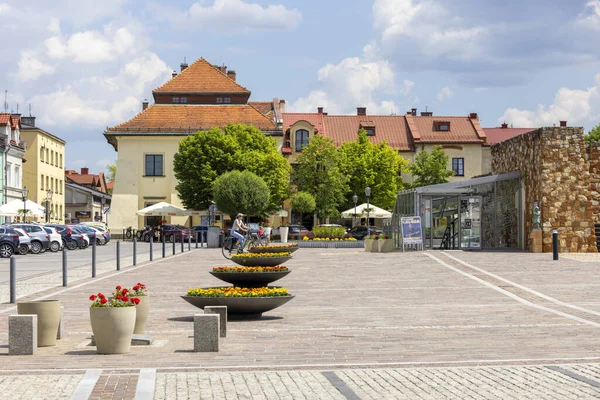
(317, 239)
(246, 256)
(276, 246)
(237, 292)
(280, 268)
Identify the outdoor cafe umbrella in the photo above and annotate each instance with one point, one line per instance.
(162, 209)
(361, 210)
(15, 208)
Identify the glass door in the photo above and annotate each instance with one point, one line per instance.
(470, 222)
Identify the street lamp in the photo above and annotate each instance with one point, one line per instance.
(368, 194)
(25, 192)
(103, 201)
(355, 199)
(48, 200)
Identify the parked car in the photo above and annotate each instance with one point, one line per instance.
(103, 235)
(9, 241)
(361, 232)
(75, 230)
(40, 240)
(201, 230)
(297, 232)
(91, 233)
(55, 239)
(24, 241)
(70, 240)
(174, 232)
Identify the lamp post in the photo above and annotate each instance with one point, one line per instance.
(48, 200)
(355, 199)
(368, 194)
(25, 193)
(103, 201)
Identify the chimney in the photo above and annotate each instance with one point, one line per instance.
(473, 116)
(173, 74)
(223, 69)
(320, 110)
(231, 74)
(183, 66)
(504, 125)
(85, 171)
(29, 121)
(361, 110)
(563, 124)
(144, 104)
(413, 111)
(426, 114)
(281, 106)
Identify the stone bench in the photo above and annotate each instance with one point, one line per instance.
(22, 334)
(206, 332)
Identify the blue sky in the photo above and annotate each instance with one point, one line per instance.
(83, 65)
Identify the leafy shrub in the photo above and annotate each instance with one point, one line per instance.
(329, 232)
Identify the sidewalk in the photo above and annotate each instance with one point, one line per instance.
(362, 325)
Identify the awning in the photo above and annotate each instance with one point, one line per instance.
(361, 211)
(14, 208)
(162, 209)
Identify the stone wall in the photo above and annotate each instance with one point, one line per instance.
(555, 171)
(593, 151)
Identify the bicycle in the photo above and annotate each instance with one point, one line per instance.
(231, 245)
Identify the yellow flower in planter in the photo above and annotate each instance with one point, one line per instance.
(305, 238)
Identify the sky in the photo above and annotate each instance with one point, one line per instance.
(83, 65)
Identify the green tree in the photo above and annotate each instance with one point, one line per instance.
(303, 202)
(376, 165)
(241, 191)
(318, 174)
(206, 155)
(593, 135)
(429, 168)
(112, 172)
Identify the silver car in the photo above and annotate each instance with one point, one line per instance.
(40, 240)
(24, 241)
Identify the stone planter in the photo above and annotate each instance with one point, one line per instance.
(274, 249)
(113, 328)
(385, 245)
(141, 315)
(283, 231)
(48, 317)
(249, 279)
(371, 245)
(240, 305)
(262, 261)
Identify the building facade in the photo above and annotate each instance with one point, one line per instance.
(13, 158)
(200, 97)
(86, 196)
(44, 171)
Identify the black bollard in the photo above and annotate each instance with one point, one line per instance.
(190, 241)
(554, 244)
(93, 257)
(164, 249)
(64, 265)
(13, 279)
(118, 256)
(197, 239)
(182, 241)
(134, 250)
(151, 241)
(173, 240)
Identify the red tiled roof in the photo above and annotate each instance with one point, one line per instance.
(201, 77)
(315, 119)
(90, 180)
(462, 130)
(497, 135)
(15, 122)
(189, 118)
(391, 128)
(264, 107)
(4, 118)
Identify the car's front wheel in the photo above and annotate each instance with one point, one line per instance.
(71, 244)
(36, 247)
(23, 249)
(6, 250)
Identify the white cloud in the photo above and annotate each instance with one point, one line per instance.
(407, 87)
(54, 26)
(31, 68)
(354, 82)
(234, 16)
(572, 105)
(590, 18)
(444, 94)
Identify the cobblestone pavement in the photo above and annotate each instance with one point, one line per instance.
(362, 325)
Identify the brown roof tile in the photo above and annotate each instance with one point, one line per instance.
(189, 118)
(264, 107)
(462, 130)
(315, 119)
(15, 121)
(201, 77)
(497, 135)
(391, 128)
(4, 118)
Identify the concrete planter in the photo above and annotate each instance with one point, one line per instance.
(141, 315)
(48, 317)
(371, 246)
(262, 261)
(283, 231)
(113, 328)
(385, 245)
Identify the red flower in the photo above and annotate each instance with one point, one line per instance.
(118, 288)
(135, 300)
(136, 288)
(103, 301)
(139, 284)
(93, 297)
(101, 296)
(125, 291)
(125, 299)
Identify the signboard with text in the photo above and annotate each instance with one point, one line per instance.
(411, 230)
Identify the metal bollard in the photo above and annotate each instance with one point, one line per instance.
(118, 256)
(182, 241)
(151, 241)
(173, 240)
(134, 250)
(64, 265)
(196, 239)
(164, 249)
(554, 244)
(13, 279)
(93, 257)
(190, 241)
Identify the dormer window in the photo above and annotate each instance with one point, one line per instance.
(183, 100)
(227, 100)
(369, 127)
(219, 100)
(301, 139)
(441, 126)
(175, 100)
(370, 131)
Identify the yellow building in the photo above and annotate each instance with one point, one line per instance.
(200, 97)
(43, 173)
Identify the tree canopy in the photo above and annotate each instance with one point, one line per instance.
(206, 155)
(112, 172)
(303, 202)
(429, 168)
(376, 165)
(593, 135)
(241, 191)
(318, 174)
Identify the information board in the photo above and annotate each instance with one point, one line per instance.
(411, 230)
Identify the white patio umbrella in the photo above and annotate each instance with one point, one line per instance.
(162, 209)
(14, 208)
(361, 210)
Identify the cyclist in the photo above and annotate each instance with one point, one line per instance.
(237, 228)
